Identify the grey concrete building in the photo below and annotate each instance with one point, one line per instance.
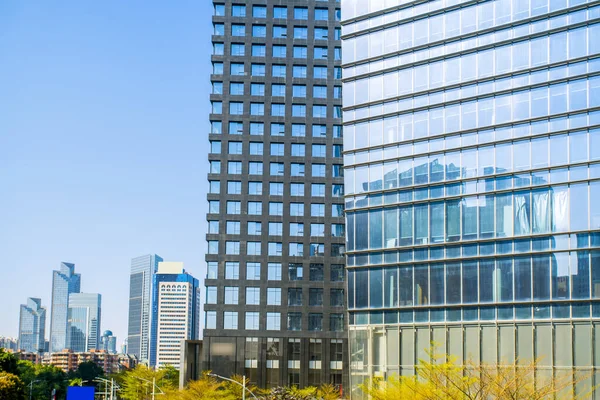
(275, 300)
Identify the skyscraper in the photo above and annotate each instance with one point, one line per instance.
(176, 313)
(140, 305)
(32, 326)
(64, 282)
(275, 285)
(83, 321)
(471, 165)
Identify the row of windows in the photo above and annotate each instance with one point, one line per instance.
(481, 186)
(273, 321)
(277, 90)
(523, 155)
(275, 189)
(255, 208)
(275, 129)
(294, 296)
(295, 271)
(500, 109)
(276, 109)
(275, 249)
(558, 276)
(557, 209)
(278, 31)
(277, 70)
(561, 242)
(295, 210)
(451, 24)
(387, 130)
(278, 149)
(506, 10)
(239, 49)
(279, 12)
(276, 228)
(278, 169)
(501, 313)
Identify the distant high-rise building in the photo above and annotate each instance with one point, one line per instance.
(64, 282)
(32, 326)
(124, 346)
(176, 312)
(83, 321)
(8, 343)
(108, 342)
(275, 290)
(140, 305)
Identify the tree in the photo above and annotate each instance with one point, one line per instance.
(205, 388)
(441, 377)
(87, 371)
(136, 384)
(8, 362)
(11, 387)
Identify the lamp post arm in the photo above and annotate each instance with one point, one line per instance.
(237, 383)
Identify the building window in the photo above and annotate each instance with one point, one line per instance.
(234, 207)
(280, 12)
(253, 248)
(213, 247)
(259, 30)
(315, 297)
(300, 52)
(257, 89)
(336, 322)
(318, 170)
(276, 189)
(252, 321)
(254, 228)
(257, 128)
(277, 129)
(299, 91)
(319, 111)
(294, 296)
(230, 320)
(211, 320)
(212, 270)
(255, 168)
(259, 11)
(253, 271)
(298, 130)
(279, 51)
(319, 131)
(273, 296)
(274, 272)
(234, 167)
(237, 69)
(253, 296)
(315, 322)
(321, 14)
(316, 272)
(232, 248)
(213, 227)
(279, 31)
(273, 321)
(231, 295)
(336, 297)
(275, 228)
(233, 227)
(238, 10)
(278, 110)
(296, 229)
(299, 71)
(294, 322)
(297, 209)
(232, 270)
(298, 110)
(259, 50)
(295, 272)
(337, 210)
(275, 208)
(300, 32)
(236, 108)
(254, 208)
(317, 189)
(238, 49)
(275, 249)
(258, 70)
(300, 13)
(297, 189)
(296, 249)
(211, 295)
(338, 273)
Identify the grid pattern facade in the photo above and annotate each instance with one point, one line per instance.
(275, 287)
(472, 169)
(83, 322)
(32, 326)
(140, 305)
(64, 282)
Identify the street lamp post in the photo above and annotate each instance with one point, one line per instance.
(112, 386)
(154, 387)
(243, 385)
(31, 387)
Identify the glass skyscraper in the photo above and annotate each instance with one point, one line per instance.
(275, 299)
(141, 278)
(472, 175)
(32, 326)
(64, 282)
(83, 321)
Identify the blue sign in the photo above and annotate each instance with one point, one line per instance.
(80, 393)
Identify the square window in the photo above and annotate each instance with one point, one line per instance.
(230, 320)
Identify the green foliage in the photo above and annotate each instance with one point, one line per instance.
(136, 384)
(87, 371)
(11, 387)
(8, 362)
(206, 388)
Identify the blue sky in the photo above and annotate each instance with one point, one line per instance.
(103, 135)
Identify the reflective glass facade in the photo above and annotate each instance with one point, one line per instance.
(83, 322)
(64, 282)
(141, 284)
(472, 169)
(32, 326)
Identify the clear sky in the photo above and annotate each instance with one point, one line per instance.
(103, 139)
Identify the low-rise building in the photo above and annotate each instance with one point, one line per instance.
(68, 360)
